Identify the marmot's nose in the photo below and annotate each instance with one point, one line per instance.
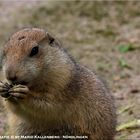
(11, 76)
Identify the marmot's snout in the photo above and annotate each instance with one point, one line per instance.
(13, 76)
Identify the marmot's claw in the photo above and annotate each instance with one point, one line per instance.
(19, 88)
(3, 90)
(2, 85)
(18, 95)
(5, 94)
(19, 91)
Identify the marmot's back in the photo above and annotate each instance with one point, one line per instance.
(51, 94)
(98, 106)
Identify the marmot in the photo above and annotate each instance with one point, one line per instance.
(52, 94)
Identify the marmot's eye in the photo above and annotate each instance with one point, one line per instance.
(34, 51)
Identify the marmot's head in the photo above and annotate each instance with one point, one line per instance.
(32, 56)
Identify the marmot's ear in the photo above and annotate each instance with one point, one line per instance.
(52, 41)
(49, 39)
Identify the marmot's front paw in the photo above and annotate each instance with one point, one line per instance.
(4, 88)
(19, 91)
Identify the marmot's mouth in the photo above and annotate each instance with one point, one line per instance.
(20, 82)
(23, 83)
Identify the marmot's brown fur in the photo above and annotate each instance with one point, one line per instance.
(53, 94)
